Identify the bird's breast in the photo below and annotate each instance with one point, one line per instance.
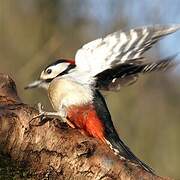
(65, 93)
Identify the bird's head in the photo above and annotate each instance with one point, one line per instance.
(58, 68)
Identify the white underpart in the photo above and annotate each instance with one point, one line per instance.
(70, 89)
(81, 77)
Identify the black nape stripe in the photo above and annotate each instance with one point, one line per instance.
(71, 66)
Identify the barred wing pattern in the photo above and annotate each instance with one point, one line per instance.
(127, 73)
(119, 47)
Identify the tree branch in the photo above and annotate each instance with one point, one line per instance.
(54, 150)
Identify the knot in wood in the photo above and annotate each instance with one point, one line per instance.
(85, 148)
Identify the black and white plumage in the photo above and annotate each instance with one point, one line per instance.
(114, 60)
(125, 74)
(104, 64)
(112, 137)
(120, 47)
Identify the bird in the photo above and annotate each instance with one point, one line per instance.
(105, 64)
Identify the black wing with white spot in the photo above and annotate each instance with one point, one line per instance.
(119, 47)
(126, 74)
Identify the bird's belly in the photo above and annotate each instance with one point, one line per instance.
(65, 93)
(86, 118)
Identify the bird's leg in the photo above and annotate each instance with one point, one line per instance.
(61, 113)
(43, 113)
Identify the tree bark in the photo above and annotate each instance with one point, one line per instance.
(53, 150)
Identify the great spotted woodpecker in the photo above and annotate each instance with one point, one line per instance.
(107, 63)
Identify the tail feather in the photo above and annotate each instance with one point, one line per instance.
(123, 150)
(111, 137)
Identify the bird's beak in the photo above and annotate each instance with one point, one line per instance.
(35, 84)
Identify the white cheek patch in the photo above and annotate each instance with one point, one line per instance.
(56, 70)
(59, 68)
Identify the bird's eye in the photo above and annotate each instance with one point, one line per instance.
(49, 71)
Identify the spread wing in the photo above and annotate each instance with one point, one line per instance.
(120, 47)
(127, 73)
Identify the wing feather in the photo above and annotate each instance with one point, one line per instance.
(126, 74)
(119, 47)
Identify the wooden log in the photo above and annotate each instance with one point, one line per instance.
(53, 150)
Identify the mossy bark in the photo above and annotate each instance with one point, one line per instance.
(52, 150)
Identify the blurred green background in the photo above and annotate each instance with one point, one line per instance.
(147, 114)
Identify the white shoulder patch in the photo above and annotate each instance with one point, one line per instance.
(119, 47)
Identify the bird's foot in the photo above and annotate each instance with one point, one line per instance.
(61, 114)
(41, 115)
